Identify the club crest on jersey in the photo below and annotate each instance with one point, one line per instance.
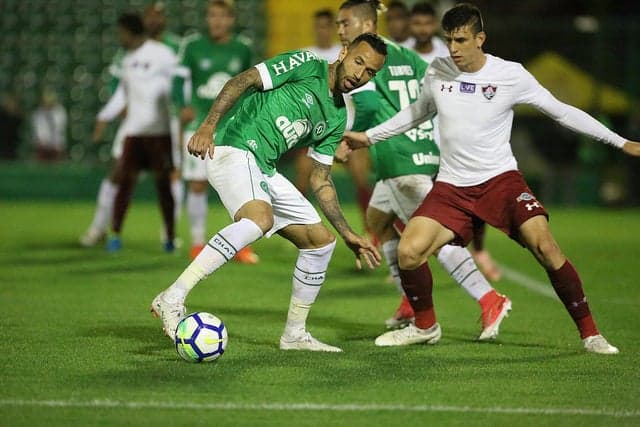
(319, 129)
(205, 63)
(444, 87)
(489, 91)
(524, 197)
(467, 87)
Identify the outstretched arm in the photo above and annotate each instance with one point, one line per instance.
(202, 141)
(325, 192)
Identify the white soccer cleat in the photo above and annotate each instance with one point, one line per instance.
(306, 342)
(170, 313)
(92, 237)
(410, 335)
(397, 323)
(598, 344)
(492, 317)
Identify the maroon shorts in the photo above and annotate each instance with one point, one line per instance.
(504, 202)
(147, 152)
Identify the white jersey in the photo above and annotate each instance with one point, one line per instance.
(144, 90)
(475, 111)
(408, 42)
(329, 54)
(439, 50)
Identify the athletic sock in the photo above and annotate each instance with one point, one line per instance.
(221, 248)
(390, 251)
(104, 207)
(197, 211)
(417, 285)
(308, 276)
(177, 191)
(568, 287)
(460, 265)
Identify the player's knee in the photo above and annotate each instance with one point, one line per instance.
(259, 212)
(198, 186)
(408, 257)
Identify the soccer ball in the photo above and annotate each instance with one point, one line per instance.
(201, 337)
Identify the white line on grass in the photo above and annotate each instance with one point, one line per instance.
(528, 282)
(118, 404)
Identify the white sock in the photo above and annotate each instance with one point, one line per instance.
(390, 251)
(197, 211)
(308, 277)
(104, 207)
(177, 191)
(222, 247)
(460, 265)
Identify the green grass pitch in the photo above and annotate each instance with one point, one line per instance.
(79, 346)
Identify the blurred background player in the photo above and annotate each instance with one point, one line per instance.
(49, 122)
(424, 26)
(155, 21)
(207, 62)
(397, 20)
(406, 166)
(148, 68)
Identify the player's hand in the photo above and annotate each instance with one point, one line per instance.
(632, 148)
(356, 140)
(98, 131)
(187, 115)
(342, 152)
(202, 143)
(362, 247)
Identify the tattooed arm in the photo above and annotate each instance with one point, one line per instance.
(201, 142)
(325, 192)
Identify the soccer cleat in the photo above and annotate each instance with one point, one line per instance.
(410, 335)
(306, 342)
(91, 237)
(492, 316)
(170, 313)
(487, 265)
(114, 244)
(169, 247)
(403, 316)
(598, 344)
(195, 250)
(246, 256)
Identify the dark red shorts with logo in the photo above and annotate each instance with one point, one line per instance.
(504, 202)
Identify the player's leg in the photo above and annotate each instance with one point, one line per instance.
(303, 165)
(537, 237)
(296, 220)
(482, 257)
(359, 166)
(106, 194)
(158, 151)
(236, 177)
(127, 171)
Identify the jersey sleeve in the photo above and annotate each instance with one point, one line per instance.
(324, 151)
(290, 67)
(530, 92)
(423, 109)
(116, 105)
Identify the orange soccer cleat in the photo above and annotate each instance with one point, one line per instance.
(246, 256)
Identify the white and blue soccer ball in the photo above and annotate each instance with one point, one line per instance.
(201, 337)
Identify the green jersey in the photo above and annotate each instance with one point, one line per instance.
(295, 109)
(395, 87)
(210, 65)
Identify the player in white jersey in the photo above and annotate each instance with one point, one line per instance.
(144, 88)
(397, 20)
(154, 19)
(424, 25)
(474, 94)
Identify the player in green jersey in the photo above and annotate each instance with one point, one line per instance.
(293, 100)
(405, 166)
(207, 61)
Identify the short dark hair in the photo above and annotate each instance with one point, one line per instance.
(462, 15)
(373, 40)
(397, 4)
(323, 13)
(368, 9)
(227, 4)
(423, 8)
(131, 22)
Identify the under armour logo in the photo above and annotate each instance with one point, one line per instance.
(443, 87)
(530, 206)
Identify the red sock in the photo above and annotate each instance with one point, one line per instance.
(568, 286)
(417, 285)
(364, 195)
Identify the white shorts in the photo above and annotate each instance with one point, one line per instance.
(193, 168)
(237, 179)
(401, 195)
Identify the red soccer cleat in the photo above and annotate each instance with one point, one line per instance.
(195, 250)
(246, 256)
(495, 307)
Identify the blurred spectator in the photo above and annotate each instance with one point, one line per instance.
(49, 123)
(633, 164)
(11, 118)
(397, 20)
(324, 32)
